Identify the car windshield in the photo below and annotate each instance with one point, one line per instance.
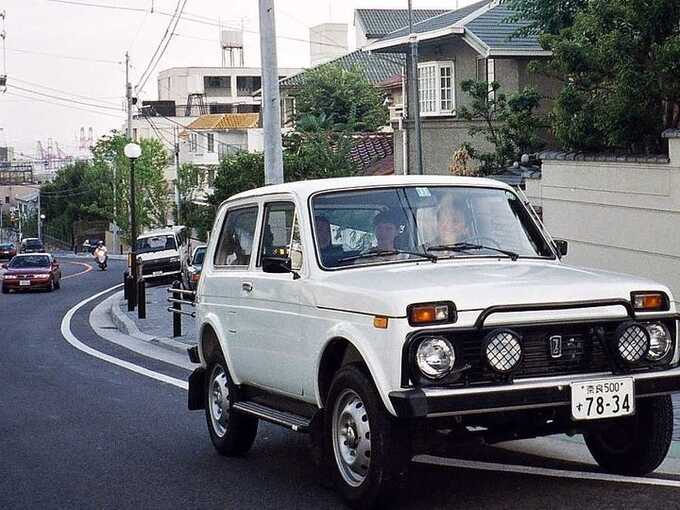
(33, 243)
(29, 261)
(5, 246)
(412, 223)
(199, 255)
(156, 243)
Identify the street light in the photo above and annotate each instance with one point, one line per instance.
(132, 152)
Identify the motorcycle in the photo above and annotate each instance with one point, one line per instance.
(102, 259)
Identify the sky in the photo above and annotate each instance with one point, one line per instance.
(78, 52)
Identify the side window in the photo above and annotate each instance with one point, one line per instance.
(277, 230)
(236, 239)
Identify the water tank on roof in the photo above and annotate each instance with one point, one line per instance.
(231, 39)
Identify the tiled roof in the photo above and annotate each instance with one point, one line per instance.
(369, 149)
(442, 20)
(380, 22)
(226, 121)
(490, 23)
(375, 67)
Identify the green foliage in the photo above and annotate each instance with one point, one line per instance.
(545, 16)
(508, 122)
(343, 99)
(620, 60)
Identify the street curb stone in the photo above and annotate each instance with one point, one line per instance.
(126, 326)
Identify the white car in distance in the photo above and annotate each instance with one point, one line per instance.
(374, 311)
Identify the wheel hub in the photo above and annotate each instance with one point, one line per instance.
(351, 438)
(219, 400)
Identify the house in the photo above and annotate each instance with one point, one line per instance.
(475, 42)
(371, 25)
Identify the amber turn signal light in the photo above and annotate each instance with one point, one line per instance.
(431, 313)
(380, 322)
(649, 301)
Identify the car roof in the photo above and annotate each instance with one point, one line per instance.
(33, 254)
(30, 239)
(157, 232)
(306, 188)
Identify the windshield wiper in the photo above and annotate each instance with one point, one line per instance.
(457, 247)
(387, 253)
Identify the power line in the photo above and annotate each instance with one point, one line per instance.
(167, 38)
(32, 99)
(101, 6)
(64, 98)
(69, 57)
(62, 91)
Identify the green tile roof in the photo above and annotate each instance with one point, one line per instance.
(380, 22)
(376, 67)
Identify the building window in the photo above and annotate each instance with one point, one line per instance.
(6, 199)
(436, 81)
(247, 85)
(491, 76)
(193, 142)
(217, 85)
(211, 142)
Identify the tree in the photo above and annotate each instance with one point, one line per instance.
(344, 98)
(620, 60)
(544, 16)
(508, 122)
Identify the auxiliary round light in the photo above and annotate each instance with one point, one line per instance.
(633, 342)
(503, 350)
(659, 341)
(435, 357)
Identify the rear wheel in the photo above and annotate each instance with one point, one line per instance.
(368, 450)
(638, 444)
(231, 432)
(57, 284)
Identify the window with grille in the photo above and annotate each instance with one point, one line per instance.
(211, 142)
(436, 81)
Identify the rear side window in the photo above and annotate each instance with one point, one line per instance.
(236, 238)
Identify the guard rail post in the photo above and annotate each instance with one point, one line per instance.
(132, 293)
(176, 316)
(141, 298)
(126, 275)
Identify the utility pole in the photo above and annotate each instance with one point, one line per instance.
(271, 106)
(128, 96)
(177, 197)
(39, 217)
(413, 93)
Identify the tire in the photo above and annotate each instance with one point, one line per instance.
(57, 284)
(52, 286)
(635, 445)
(232, 433)
(5, 290)
(368, 471)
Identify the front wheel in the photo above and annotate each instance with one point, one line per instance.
(638, 444)
(232, 433)
(367, 449)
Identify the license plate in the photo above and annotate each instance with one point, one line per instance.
(157, 273)
(604, 398)
(25, 283)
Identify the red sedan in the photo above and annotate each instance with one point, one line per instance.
(31, 271)
(7, 250)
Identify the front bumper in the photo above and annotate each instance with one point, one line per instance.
(35, 284)
(527, 394)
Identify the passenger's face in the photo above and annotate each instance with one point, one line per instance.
(452, 228)
(385, 233)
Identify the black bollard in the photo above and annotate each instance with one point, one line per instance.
(176, 316)
(126, 274)
(132, 293)
(141, 298)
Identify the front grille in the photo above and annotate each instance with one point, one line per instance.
(582, 352)
(160, 265)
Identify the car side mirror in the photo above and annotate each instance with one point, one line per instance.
(276, 265)
(562, 246)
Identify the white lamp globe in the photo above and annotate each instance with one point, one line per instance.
(132, 150)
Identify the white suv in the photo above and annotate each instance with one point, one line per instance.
(373, 312)
(163, 252)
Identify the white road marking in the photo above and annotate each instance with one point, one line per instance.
(539, 471)
(88, 266)
(423, 459)
(71, 338)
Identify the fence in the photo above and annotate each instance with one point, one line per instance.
(618, 213)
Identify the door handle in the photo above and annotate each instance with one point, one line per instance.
(247, 286)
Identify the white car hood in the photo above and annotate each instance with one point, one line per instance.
(471, 285)
(158, 255)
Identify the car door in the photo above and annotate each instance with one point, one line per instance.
(222, 290)
(272, 302)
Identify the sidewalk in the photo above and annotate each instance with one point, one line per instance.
(157, 327)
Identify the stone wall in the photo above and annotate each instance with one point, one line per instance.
(620, 214)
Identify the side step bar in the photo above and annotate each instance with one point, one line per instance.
(291, 421)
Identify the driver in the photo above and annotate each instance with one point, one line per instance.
(451, 224)
(386, 230)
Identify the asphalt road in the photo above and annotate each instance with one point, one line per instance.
(78, 432)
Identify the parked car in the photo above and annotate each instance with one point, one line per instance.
(31, 271)
(373, 312)
(31, 245)
(193, 270)
(163, 252)
(7, 250)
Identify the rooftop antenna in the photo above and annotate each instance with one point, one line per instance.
(3, 35)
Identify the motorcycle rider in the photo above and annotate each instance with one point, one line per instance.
(101, 255)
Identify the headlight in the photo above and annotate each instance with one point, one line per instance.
(10, 277)
(503, 350)
(435, 357)
(41, 276)
(659, 341)
(174, 259)
(633, 342)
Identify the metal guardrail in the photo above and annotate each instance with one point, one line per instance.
(176, 309)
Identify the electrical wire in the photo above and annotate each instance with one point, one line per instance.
(32, 99)
(14, 78)
(68, 100)
(150, 68)
(101, 6)
(68, 57)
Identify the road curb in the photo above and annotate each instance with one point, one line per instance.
(127, 326)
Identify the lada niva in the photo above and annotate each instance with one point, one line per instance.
(376, 312)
